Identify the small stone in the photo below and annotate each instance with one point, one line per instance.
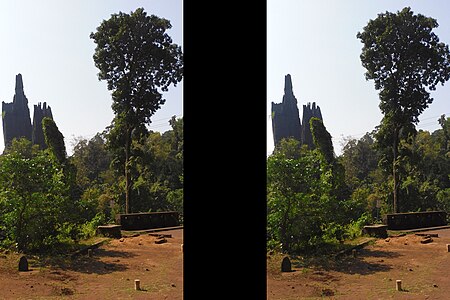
(398, 285)
(147, 269)
(286, 265)
(410, 269)
(435, 285)
(66, 291)
(160, 241)
(387, 240)
(23, 264)
(173, 285)
(121, 240)
(137, 284)
(426, 240)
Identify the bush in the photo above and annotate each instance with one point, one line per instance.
(34, 200)
(89, 228)
(354, 229)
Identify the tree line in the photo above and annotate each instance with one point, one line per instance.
(48, 198)
(316, 199)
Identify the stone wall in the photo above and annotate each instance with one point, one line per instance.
(142, 221)
(413, 220)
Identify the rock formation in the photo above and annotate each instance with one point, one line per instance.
(285, 116)
(16, 115)
(286, 121)
(308, 113)
(16, 118)
(37, 136)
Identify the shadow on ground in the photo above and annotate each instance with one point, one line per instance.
(89, 265)
(354, 265)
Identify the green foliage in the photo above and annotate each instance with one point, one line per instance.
(424, 175)
(156, 170)
(54, 139)
(33, 199)
(175, 200)
(92, 161)
(322, 139)
(359, 158)
(289, 148)
(138, 60)
(304, 198)
(443, 199)
(405, 59)
(315, 201)
(89, 228)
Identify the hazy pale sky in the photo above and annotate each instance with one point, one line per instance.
(315, 42)
(48, 42)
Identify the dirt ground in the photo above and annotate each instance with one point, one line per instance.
(109, 274)
(423, 269)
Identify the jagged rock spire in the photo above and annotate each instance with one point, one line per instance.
(37, 136)
(16, 118)
(288, 86)
(286, 120)
(285, 116)
(19, 84)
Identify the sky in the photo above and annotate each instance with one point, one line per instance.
(315, 42)
(48, 43)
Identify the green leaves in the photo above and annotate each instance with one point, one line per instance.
(54, 139)
(33, 198)
(138, 60)
(405, 60)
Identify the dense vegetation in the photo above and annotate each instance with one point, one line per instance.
(405, 60)
(139, 61)
(48, 199)
(317, 199)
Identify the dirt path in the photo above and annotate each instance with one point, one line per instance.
(108, 274)
(423, 269)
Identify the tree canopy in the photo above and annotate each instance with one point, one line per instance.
(139, 61)
(406, 60)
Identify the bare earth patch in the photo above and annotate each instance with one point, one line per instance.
(108, 274)
(372, 274)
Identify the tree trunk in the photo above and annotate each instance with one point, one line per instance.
(394, 170)
(127, 170)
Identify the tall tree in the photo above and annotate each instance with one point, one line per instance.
(405, 60)
(54, 139)
(138, 60)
